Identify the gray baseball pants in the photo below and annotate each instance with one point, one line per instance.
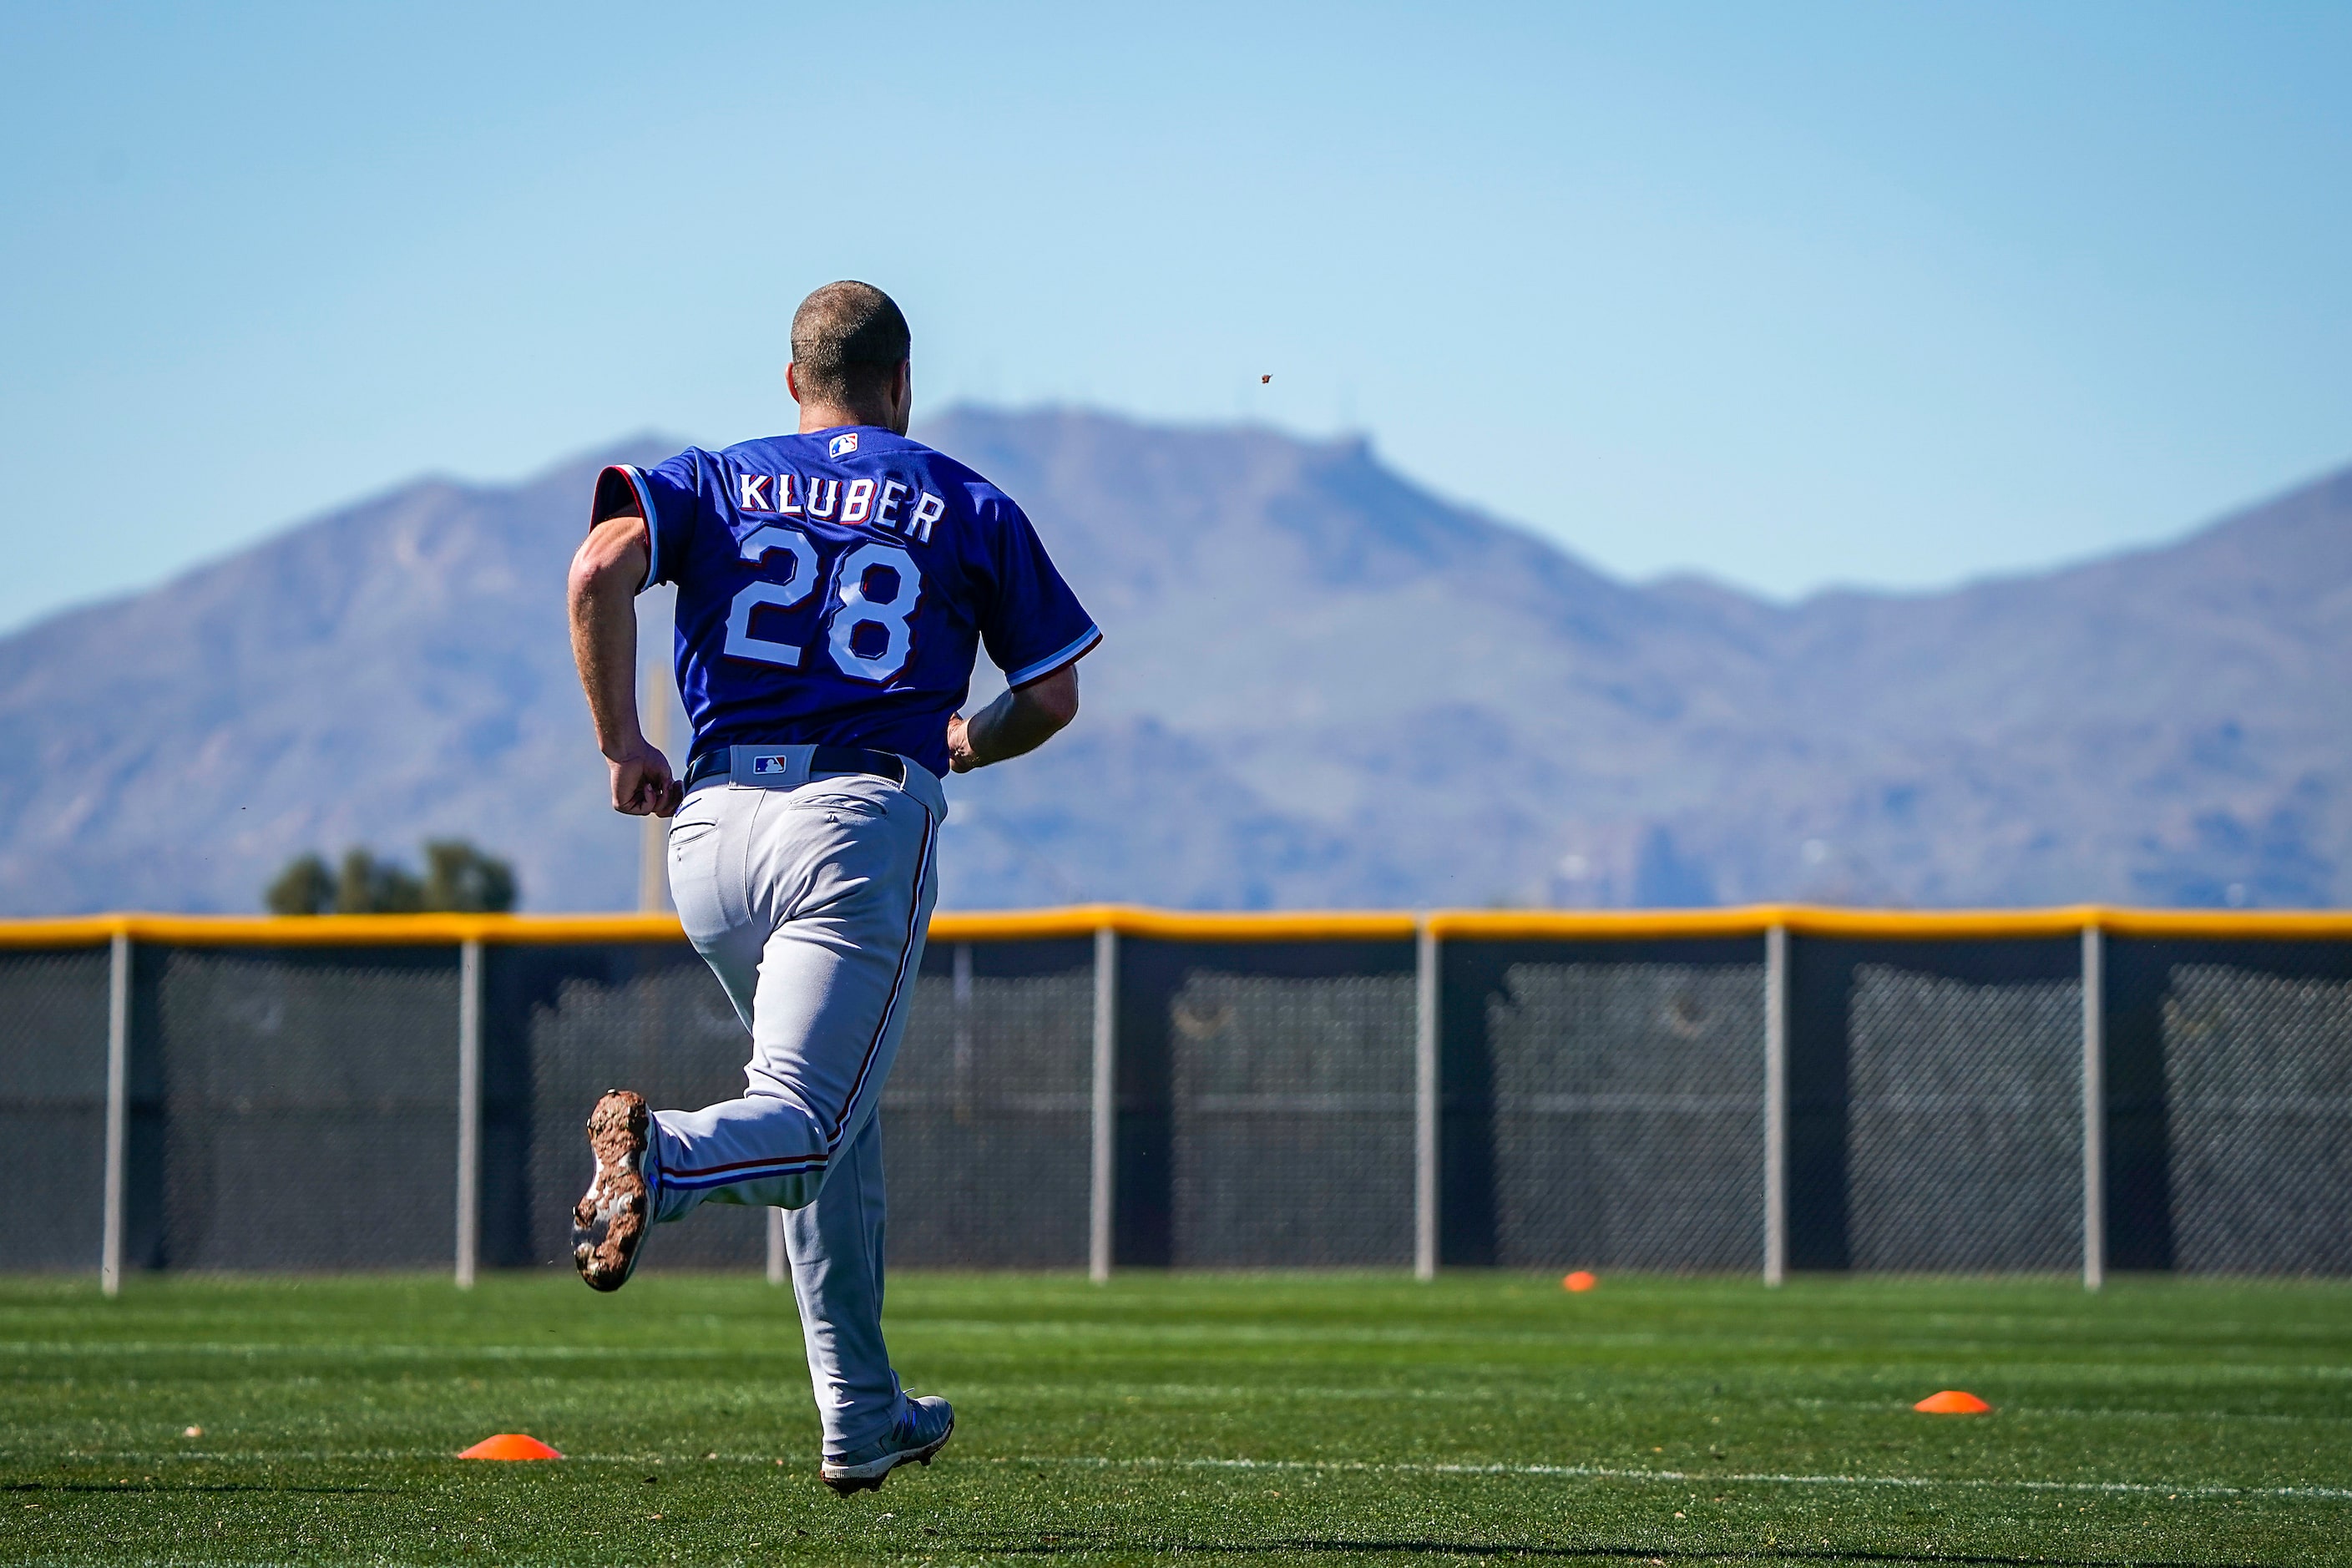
(809, 899)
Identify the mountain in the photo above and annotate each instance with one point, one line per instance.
(1320, 686)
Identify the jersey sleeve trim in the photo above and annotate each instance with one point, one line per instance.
(653, 525)
(1038, 669)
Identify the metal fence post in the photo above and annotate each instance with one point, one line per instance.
(2094, 1108)
(1104, 1105)
(118, 1111)
(778, 1271)
(1776, 1104)
(469, 1108)
(1424, 1101)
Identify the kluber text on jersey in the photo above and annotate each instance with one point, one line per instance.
(867, 565)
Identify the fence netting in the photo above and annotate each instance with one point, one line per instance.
(1264, 1103)
(2258, 1077)
(303, 1105)
(563, 1024)
(987, 1119)
(53, 1106)
(1964, 1129)
(1627, 1113)
(1292, 1120)
(1600, 1103)
(984, 1119)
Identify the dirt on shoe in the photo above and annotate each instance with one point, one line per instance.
(609, 1223)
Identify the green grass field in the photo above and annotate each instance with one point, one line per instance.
(1290, 1418)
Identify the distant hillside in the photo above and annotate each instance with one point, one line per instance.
(1320, 686)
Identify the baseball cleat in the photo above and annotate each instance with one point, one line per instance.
(609, 1224)
(920, 1433)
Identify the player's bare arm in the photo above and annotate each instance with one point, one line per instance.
(1017, 722)
(605, 575)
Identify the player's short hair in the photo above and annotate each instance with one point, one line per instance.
(848, 339)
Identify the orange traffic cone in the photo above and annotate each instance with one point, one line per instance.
(510, 1445)
(1953, 1402)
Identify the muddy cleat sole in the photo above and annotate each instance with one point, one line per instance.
(609, 1224)
(920, 1434)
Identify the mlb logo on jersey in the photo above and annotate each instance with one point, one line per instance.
(771, 765)
(845, 442)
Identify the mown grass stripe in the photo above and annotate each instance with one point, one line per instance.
(1329, 1467)
(1702, 1477)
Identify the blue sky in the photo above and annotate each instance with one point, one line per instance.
(1881, 294)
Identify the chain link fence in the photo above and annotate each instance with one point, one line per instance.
(1622, 1107)
(565, 1023)
(986, 1120)
(1292, 1121)
(1280, 1094)
(1964, 1110)
(53, 1031)
(2258, 1078)
(305, 1102)
(1264, 1103)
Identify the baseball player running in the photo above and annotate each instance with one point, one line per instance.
(833, 588)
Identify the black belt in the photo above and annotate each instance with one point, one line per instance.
(721, 763)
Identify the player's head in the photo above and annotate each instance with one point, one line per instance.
(849, 358)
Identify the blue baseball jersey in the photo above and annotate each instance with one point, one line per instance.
(834, 588)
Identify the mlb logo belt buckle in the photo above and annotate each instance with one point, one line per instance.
(788, 767)
(769, 767)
